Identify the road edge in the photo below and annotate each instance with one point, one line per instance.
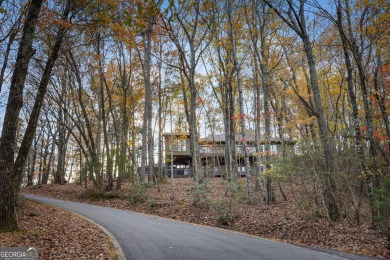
(329, 251)
(116, 251)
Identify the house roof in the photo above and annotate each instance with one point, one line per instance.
(250, 137)
(176, 134)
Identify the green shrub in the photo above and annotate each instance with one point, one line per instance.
(307, 175)
(153, 203)
(201, 194)
(226, 208)
(223, 211)
(137, 194)
(97, 195)
(382, 198)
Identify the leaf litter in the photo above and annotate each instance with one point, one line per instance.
(282, 221)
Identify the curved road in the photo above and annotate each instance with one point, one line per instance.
(148, 237)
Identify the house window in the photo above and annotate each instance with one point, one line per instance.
(274, 149)
(179, 145)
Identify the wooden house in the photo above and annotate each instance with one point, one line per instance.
(177, 153)
(212, 151)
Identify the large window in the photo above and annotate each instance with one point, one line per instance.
(179, 145)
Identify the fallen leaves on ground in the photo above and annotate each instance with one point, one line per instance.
(59, 234)
(281, 221)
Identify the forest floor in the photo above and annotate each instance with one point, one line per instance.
(57, 233)
(285, 221)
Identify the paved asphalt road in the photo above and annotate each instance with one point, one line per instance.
(149, 237)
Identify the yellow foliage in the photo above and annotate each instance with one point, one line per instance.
(267, 172)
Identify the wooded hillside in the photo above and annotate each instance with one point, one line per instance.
(88, 88)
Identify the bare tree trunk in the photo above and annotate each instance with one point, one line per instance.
(263, 61)
(192, 124)
(237, 69)
(257, 126)
(32, 123)
(349, 44)
(147, 134)
(270, 196)
(280, 110)
(351, 93)
(230, 133)
(59, 176)
(161, 119)
(260, 19)
(40, 168)
(99, 43)
(45, 177)
(9, 185)
(134, 151)
(149, 101)
(330, 187)
(94, 164)
(190, 49)
(295, 18)
(251, 19)
(32, 158)
(227, 103)
(372, 180)
(11, 39)
(124, 129)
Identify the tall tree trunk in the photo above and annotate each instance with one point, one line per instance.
(147, 134)
(134, 149)
(149, 101)
(330, 187)
(40, 168)
(359, 145)
(295, 18)
(270, 196)
(103, 114)
(259, 18)
(227, 103)
(59, 176)
(42, 88)
(94, 164)
(193, 119)
(9, 185)
(237, 69)
(263, 61)
(258, 125)
(373, 145)
(46, 174)
(251, 19)
(161, 119)
(33, 158)
(124, 127)
(190, 48)
(230, 133)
